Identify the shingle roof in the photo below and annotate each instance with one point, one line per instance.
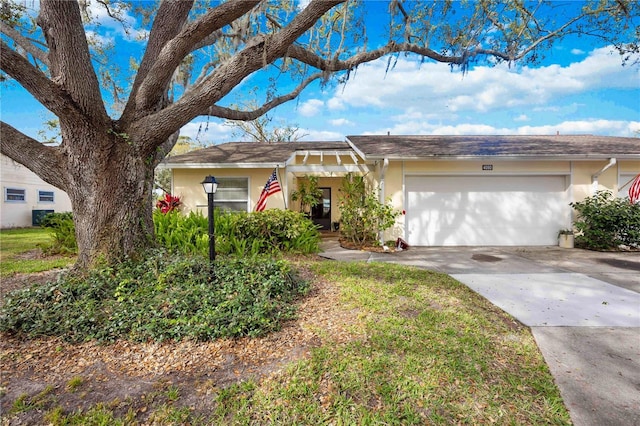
(406, 147)
(251, 152)
(422, 147)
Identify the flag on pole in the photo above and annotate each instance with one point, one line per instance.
(270, 188)
(634, 190)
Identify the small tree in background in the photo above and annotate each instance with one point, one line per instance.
(307, 193)
(606, 222)
(362, 214)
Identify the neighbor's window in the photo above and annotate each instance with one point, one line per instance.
(232, 194)
(14, 194)
(45, 197)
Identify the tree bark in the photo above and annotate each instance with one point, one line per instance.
(111, 196)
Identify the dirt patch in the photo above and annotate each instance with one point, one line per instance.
(134, 372)
(18, 281)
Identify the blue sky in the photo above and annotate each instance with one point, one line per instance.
(579, 88)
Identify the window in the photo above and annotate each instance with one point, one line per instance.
(232, 194)
(14, 195)
(45, 197)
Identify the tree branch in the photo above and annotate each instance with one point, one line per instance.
(231, 114)
(69, 57)
(25, 43)
(169, 20)
(49, 94)
(46, 162)
(259, 51)
(175, 50)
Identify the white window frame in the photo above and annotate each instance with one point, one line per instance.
(219, 202)
(8, 200)
(43, 191)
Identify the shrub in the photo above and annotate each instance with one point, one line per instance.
(273, 231)
(362, 214)
(238, 233)
(187, 234)
(63, 233)
(168, 203)
(606, 222)
(161, 297)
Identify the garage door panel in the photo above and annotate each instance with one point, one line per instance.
(479, 210)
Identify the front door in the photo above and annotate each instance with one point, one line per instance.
(321, 213)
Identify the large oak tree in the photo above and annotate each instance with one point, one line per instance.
(197, 52)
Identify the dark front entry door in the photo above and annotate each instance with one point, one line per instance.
(321, 213)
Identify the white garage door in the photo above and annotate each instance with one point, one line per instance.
(486, 210)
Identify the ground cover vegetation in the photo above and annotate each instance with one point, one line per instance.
(606, 222)
(117, 122)
(369, 344)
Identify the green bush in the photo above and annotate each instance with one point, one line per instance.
(238, 233)
(187, 234)
(63, 233)
(161, 297)
(362, 214)
(606, 222)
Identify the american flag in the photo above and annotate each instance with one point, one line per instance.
(634, 190)
(270, 188)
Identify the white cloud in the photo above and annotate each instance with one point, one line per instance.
(521, 117)
(125, 28)
(433, 87)
(340, 122)
(311, 107)
(208, 133)
(322, 135)
(602, 127)
(577, 52)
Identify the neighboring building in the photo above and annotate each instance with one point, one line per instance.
(454, 190)
(26, 197)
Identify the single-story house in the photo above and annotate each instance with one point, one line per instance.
(452, 190)
(25, 197)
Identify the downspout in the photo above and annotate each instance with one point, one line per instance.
(594, 177)
(381, 192)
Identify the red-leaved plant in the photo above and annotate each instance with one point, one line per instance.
(168, 203)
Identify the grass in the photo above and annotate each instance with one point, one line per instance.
(429, 351)
(435, 353)
(426, 350)
(14, 243)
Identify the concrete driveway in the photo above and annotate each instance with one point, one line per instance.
(583, 308)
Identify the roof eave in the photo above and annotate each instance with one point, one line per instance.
(219, 165)
(563, 157)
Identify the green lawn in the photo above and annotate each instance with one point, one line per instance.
(423, 349)
(433, 352)
(17, 252)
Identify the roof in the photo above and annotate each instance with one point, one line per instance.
(255, 153)
(406, 147)
(557, 146)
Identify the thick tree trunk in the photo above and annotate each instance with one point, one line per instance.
(111, 194)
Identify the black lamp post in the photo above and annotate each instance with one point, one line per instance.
(210, 185)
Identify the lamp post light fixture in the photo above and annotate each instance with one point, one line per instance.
(210, 185)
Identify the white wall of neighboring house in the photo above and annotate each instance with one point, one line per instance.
(23, 192)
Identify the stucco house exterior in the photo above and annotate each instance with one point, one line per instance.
(26, 197)
(453, 190)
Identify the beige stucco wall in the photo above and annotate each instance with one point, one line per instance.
(579, 172)
(19, 213)
(186, 184)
